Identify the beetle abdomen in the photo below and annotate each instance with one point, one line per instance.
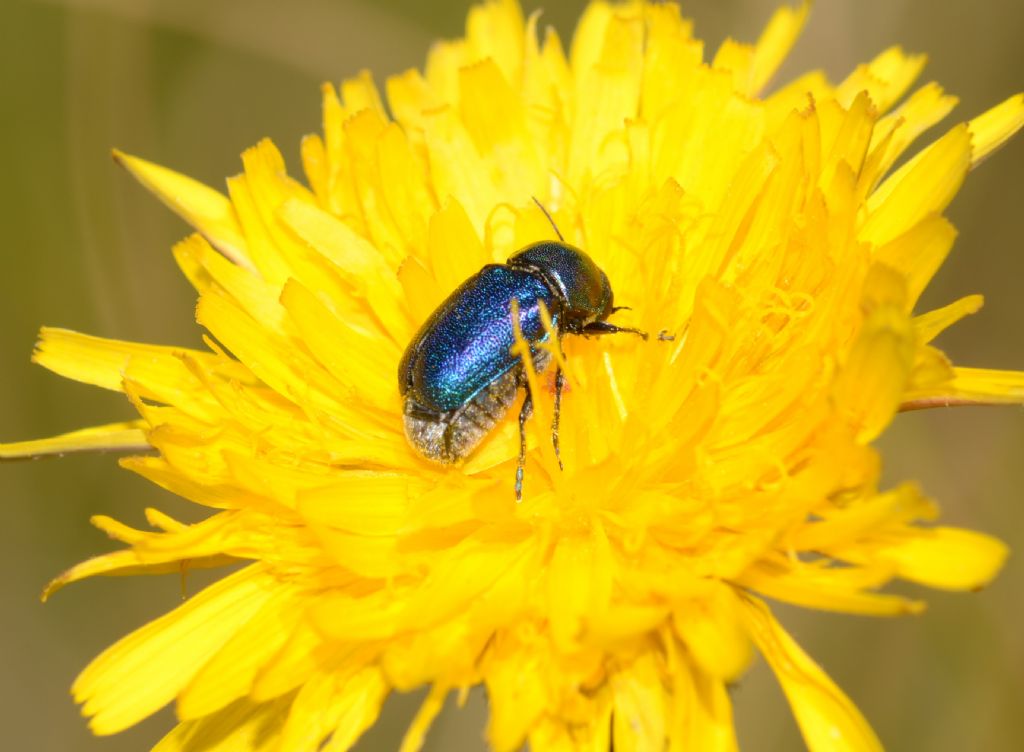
(452, 436)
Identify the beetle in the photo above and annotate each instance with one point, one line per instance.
(458, 376)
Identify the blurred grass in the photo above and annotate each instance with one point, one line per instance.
(190, 84)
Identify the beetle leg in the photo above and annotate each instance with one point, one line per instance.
(524, 414)
(559, 384)
(603, 327)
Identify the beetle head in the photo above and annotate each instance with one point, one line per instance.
(581, 287)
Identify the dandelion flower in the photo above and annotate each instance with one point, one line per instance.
(771, 235)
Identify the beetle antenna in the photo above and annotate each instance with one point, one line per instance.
(546, 214)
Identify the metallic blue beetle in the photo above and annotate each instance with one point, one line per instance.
(458, 377)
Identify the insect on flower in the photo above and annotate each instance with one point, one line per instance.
(786, 235)
(458, 377)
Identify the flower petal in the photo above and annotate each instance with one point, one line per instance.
(923, 186)
(871, 384)
(774, 44)
(429, 710)
(714, 635)
(931, 324)
(993, 128)
(827, 718)
(117, 689)
(918, 253)
(205, 209)
(242, 726)
(973, 386)
(639, 717)
(126, 436)
(946, 557)
(349, 706)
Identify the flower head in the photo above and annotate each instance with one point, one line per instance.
(769, 236)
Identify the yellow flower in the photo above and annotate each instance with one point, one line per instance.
(769, 234)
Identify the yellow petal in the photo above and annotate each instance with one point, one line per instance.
(416, 734)
(454, 249)
(145, 670)
(127, 436)
(207, 268)
(711, 727)
(495, 30)
(607, 92)
(364, 503)
(580, 579)
(554, 735)
(993, 128)
(932, 369)
(885, 78)
(353, 619)
(800, 94)
(713, 633)
(291, 376)
(701, 709)
(930, 325)
(918, 253)
(457, 169)
(186, 547)
(973, 386)
(360, 93)
(669, 44)
(590, 35)
(365, 366)
(258, 195)
(828, 720)
(828, 588)
(855, 521)
(947, 558)
(355, 259)
(343, 704)
(301, 659)
(314, 164)
(735, 58)
(210, 212)
(923, 186)
(242, 726)
(638, 721)
(774, 44)
(895, 132)
(519, 697)
(845, 135)
(493, 114)
(229, 674)
(104, 363)
(410, 98)
(871, 384)
(404, 185)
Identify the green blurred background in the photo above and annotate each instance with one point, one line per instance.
(190, 84)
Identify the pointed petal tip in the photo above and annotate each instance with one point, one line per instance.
(127, 436)
(209, 211)
(134, 165)
(51, 587)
